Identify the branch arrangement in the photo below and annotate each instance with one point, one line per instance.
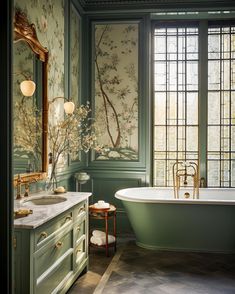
(67, 134)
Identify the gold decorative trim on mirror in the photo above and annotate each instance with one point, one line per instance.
(27, 32)
(29, 178)
(24, 31)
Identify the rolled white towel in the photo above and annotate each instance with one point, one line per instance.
(98, 234)
(102, 240)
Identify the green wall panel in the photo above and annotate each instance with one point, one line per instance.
(104, 185)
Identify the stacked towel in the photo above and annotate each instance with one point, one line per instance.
(99, 238)
(101, 204)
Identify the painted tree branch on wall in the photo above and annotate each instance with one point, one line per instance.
(107, 102)
(116, 60)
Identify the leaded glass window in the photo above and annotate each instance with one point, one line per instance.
(175, 99)
(186, 83)
(221, 106)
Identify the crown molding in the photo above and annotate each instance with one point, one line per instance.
(104, 5)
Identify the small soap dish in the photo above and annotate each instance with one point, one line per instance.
(22, 213)
(57, 192)
(60, 190)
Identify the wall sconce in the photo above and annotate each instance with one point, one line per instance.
(27, 88)
(69, 106)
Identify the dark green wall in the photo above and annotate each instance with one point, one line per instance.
(109, 176)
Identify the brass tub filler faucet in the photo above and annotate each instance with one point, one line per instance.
(182, 170)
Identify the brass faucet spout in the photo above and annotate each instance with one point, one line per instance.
(26, 189)
(18, 187)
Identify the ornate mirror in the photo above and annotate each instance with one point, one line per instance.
(30, 102)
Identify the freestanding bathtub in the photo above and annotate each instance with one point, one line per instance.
(161, 222)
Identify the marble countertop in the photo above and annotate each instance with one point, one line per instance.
(43, 213)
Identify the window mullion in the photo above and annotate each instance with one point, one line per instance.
(203, 96)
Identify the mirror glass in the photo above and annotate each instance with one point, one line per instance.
(74, 62)
(27, 111)
(30, 108)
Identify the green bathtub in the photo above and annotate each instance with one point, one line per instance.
(161, 222)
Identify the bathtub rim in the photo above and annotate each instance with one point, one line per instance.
(173, 200)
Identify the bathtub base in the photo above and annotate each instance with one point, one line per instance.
(158, 248)
(199, 228)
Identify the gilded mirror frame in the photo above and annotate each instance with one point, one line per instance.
(26, 32)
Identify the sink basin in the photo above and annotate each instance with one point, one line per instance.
(44, 200)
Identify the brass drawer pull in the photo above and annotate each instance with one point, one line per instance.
(78, 228)
(59, 244)
(79, 250)
(43, 235)
(81, 209)
(68, 218)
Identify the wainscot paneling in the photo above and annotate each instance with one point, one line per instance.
(104, 185)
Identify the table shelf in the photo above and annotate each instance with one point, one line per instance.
(104, 214)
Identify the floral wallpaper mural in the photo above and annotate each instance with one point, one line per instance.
(27, 119)
(48, 17)
(74, 55)
(116, 90)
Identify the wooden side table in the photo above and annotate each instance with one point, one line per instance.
(106, 214)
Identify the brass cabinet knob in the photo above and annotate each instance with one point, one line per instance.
(59, 244)
(79, 250)
(78, 228)
(43, 235)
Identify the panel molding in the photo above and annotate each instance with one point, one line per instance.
(105, 184)
(106, 180)
(143, 73)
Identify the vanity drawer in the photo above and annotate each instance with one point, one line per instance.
(44, 233)
(57, 277)
(80, 251)
(80, 210)
(48, 255)
(79, 229)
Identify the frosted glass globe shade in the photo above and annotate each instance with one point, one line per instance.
(69, 107)
(27, 87)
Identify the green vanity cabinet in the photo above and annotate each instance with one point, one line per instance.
(49, 258)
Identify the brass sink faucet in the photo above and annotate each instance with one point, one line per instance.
(26, 189)
(18, 187)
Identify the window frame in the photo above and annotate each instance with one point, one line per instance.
(203, 21)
